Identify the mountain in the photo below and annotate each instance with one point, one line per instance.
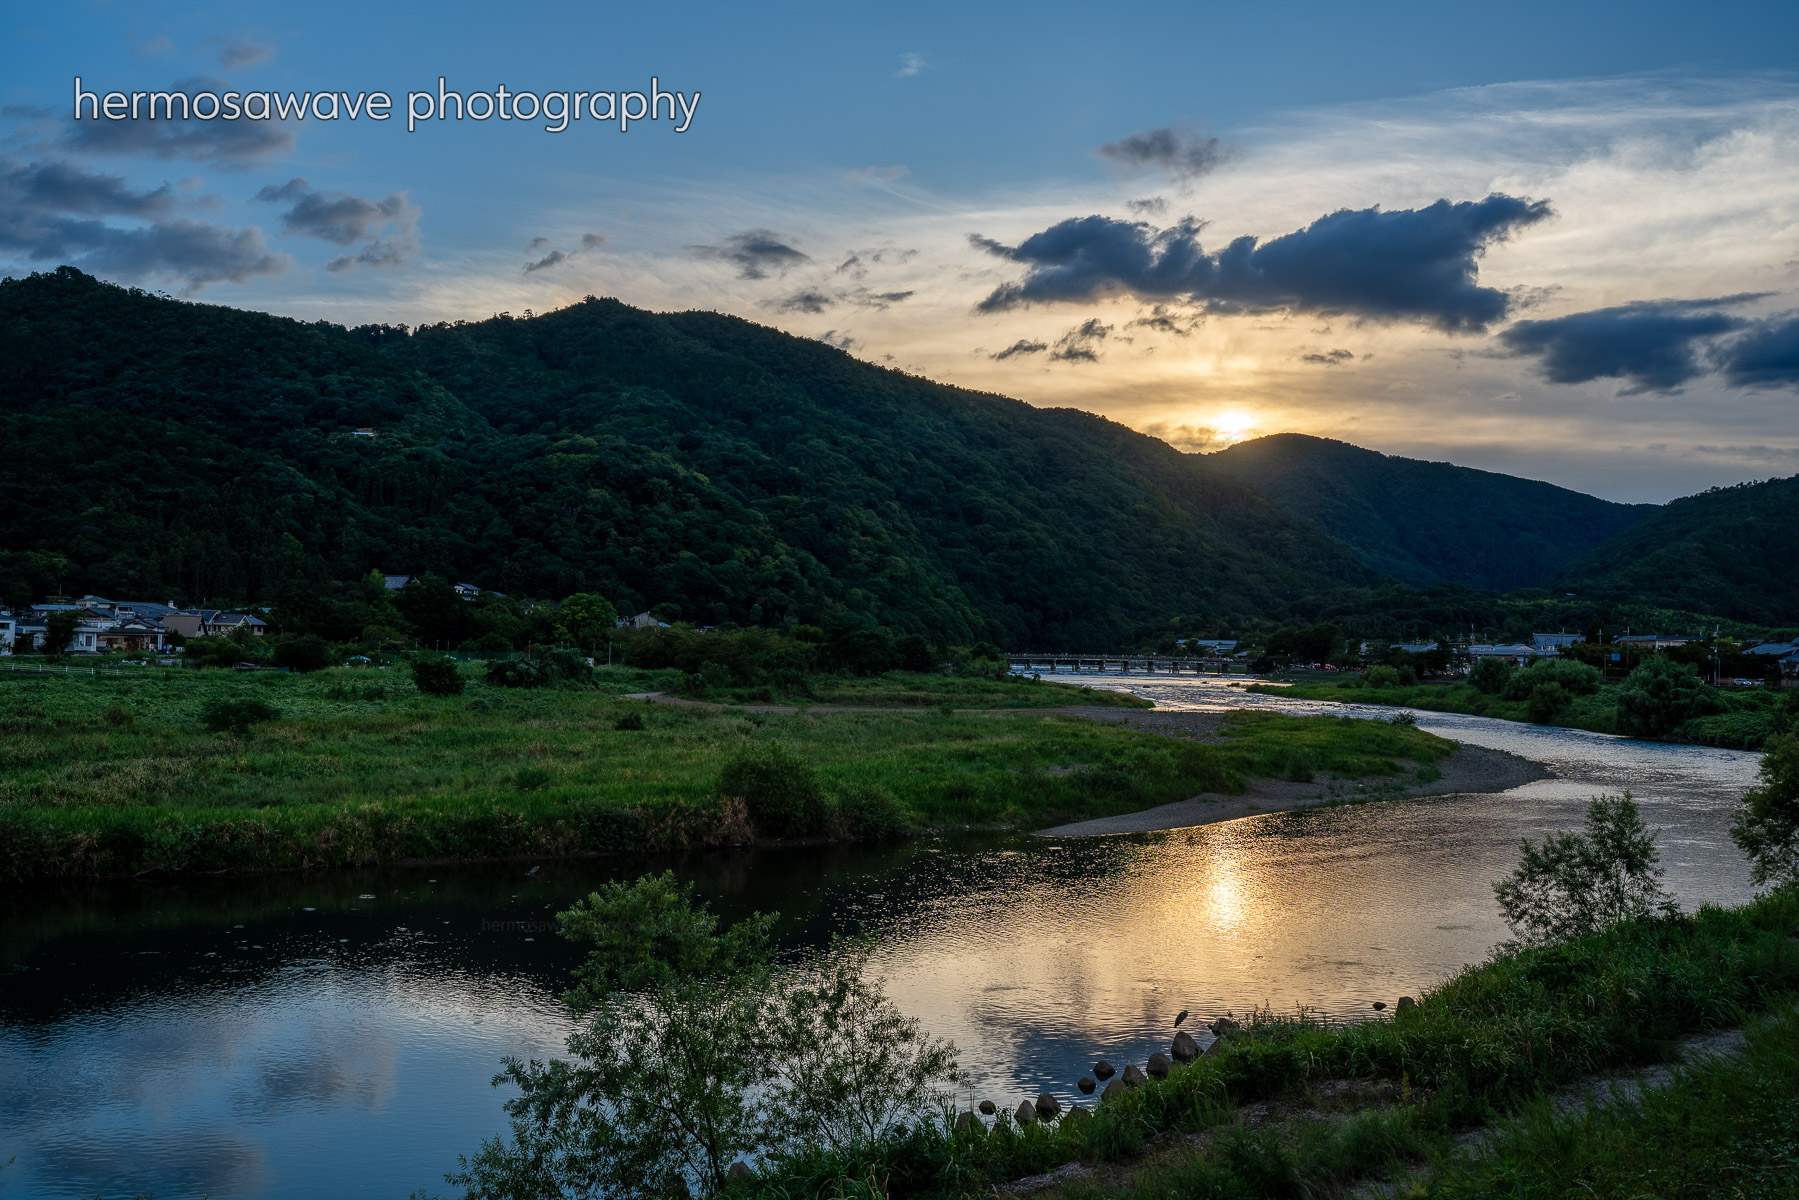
(1428, 522)
(175, 450)
(1727, 551)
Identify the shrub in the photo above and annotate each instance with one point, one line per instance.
(1579, 883)
(871, 814)
(531, 779)
(779, 789)
(437, 676)
(304, 652)
(1490, 675)
(1381, 677)
(1546, 701)
(544, 669)
(213, 652)
(1766, 827)
(715, 675)
(629, 722)
(1576, 678)
(225, 714)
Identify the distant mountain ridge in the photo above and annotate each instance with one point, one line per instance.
(1429, 522)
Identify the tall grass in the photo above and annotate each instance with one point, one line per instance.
(116, 776)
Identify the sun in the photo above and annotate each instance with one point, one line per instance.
(1233, 427)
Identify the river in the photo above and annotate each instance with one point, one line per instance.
(300, 1036)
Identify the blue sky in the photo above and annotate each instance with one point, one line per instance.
(1207, 222)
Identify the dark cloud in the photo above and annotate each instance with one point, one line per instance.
(1020, 347)
(27, 112)
(1764, 357)
(843, 341)
(1081, 344)
(808, 301)
(1330, 358)
(1152, 206)
(1182, 155)
(857, 265)
(553, 258)
(241, 52)
(755, 252)
(589, 241)
(1163, 319)
(868, 299)
(51, 212)
(390, 224)
(1407, 264)
(53, 187)
(592, 241)
(223, 143)
(536, 243)
(1653, 345)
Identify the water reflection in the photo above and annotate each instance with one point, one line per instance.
(298, 1037)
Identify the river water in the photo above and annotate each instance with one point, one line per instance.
(292, 1036)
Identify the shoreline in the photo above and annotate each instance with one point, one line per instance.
(1471, 770)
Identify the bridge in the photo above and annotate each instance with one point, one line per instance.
(1117, 664)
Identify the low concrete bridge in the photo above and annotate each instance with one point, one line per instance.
(1117, 664)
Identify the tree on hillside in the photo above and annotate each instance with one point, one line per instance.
(1766, 827)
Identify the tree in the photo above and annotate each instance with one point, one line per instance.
(60, 629)
(304, 652)
(1578, 883)
(695, 1051)
(1660, 695)
(587, 620)
(1545, 702)
(1766, 827)
(432, 607)
(1490, 675)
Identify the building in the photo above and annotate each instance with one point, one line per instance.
(468, 591)
(1553, 642)
(642, 620)
(1518, 652)
(1650, 642)
(9, 629)
(1211, 647)
(396, 582)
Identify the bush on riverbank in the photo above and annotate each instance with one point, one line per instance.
(361, 768)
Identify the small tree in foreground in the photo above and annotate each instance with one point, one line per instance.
(437, 676)
(1576, 883)
(1766, 827)
(695, 1051)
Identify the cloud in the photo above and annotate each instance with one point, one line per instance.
(1764, 357)
(910, 65)
(1193, 439)
(1182, 155)
(831, 337)
(1153, 206)
(28, 112)
(160, 44)
(1654, 345)
(589, 241)
(808, 301)
(52, 187)
(1330, 358)
(857, 265)
(1162, 319)
(1405, 264)
(1081, 344)
(390, 223)
(755, 252)
(864, 174)
(1021, 347)
(241, 52)
(52, 212)
(233, 144)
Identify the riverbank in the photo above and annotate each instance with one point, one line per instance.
(1755, 715)
(1485, 1080)
(127, 775)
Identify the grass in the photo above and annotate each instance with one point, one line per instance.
(1267, 1114)
(960, 691)
(108, 776)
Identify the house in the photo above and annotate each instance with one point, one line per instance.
(229, 623)
(1650, 642)
(396, 582)
(9, 629)
(1780, 650)
(468, 591)
(1517, 652)
(642, 620)
(1212, 647)
(132, 634)
(1553, 642)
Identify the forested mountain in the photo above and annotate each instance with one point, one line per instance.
(1429, 522)
(1728, 551)
(175, 450)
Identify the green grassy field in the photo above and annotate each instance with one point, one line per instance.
(118, 775)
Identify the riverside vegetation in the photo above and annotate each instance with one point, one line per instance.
(697, 1067)
(1660, 698)
(203, 770)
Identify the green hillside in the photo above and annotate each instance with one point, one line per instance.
(1728, 551)
(175, 450)
(1428, 522)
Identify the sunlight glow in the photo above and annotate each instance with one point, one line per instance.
(1233, 427)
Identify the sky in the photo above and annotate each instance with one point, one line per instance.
(1556, 240)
